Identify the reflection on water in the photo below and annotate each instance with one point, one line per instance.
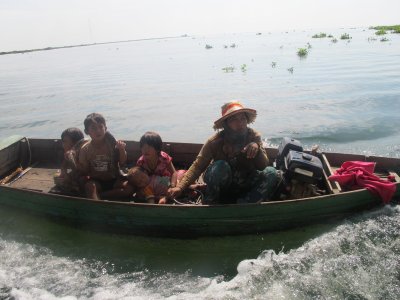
(123, 253)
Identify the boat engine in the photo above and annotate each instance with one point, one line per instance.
(303, 172)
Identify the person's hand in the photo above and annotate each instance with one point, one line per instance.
(251, 150)
(120, 145)
(174, 192)
(163, 200)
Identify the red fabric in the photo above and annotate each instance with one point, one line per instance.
(359, 174)
(162, 165)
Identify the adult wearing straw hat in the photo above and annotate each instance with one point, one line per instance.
(235, 163)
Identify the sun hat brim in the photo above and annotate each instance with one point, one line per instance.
(251, 116)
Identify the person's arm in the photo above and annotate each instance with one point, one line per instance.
(261, 160)
(83, 162)
(174, 174)
(64, 167)
(198, 166)
(120, 145)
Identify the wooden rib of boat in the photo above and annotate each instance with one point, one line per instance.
(31, 189)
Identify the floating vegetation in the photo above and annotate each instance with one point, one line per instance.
(233, 45)
(380, 32)
(319, 36)
(309, 46)
(290, 70)
(384, 39)
(330, 36)
(372, 39)
(225, 46)
(208, 46)
(345, 36)
(334, 40)
(229, 69)
(273, 64)
(258, 33)
(243, 68)
(302, 52)
(392, 28)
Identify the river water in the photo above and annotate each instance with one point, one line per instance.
(343, 96)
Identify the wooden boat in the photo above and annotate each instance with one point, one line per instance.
(31, 191)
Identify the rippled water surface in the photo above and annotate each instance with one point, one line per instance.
(344, 96)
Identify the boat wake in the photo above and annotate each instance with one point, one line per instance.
(358, 259)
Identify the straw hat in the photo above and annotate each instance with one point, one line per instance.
(231, 108)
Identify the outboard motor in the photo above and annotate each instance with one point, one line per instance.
(303, 167)
(300, 169)
(285, 146)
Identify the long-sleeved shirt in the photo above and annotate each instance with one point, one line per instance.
(218, 148)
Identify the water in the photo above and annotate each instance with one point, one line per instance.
(343, 96)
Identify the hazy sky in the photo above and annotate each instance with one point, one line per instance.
(26, 24)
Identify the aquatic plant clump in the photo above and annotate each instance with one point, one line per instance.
(380, 32)
(302, 52)
(229, 69)
(345, 36)
(208, 46)
(319, 36)
(392, 28)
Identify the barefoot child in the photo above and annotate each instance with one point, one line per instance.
(152, 189)
(68, 178)
(98, 161)
(156, 162)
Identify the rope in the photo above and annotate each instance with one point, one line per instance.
(197, 201)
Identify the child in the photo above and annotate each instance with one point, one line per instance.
(67, 179)
(98, 161)
(152, 188)
(157, 162)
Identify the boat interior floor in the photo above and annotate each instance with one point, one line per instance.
(38, 178)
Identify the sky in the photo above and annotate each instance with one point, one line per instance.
(30, 24)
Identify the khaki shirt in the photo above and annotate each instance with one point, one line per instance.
(217, 148)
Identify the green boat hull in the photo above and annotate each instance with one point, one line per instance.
(175, 220)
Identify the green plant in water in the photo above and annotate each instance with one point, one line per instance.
(302, 52)
(319, 36)
(233, 45)
(273, 64)
(290, 70)
(345, 36)
(334, 40)
(309, 46)
(380, 32)
(393, 28)
(243, 67)
(229, 69)
(384, 39)
(330, 36)
(208, 46)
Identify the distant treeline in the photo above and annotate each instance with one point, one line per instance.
(85, 45)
